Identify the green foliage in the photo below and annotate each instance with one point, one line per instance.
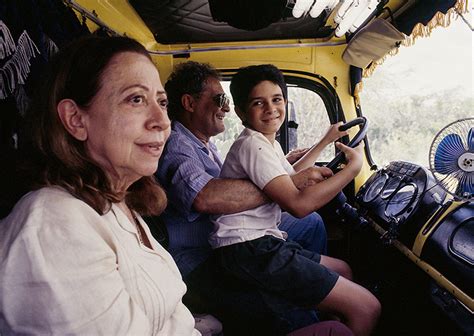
(403, 127)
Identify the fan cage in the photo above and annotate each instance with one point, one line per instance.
(452, 180)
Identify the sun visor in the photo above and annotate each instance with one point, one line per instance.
(372, 43)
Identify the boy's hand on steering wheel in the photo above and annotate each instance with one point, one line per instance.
(296, 154)
(354, 156)
(333, 133)
(310, 176)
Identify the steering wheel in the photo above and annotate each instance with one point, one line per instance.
(340, 157)
(338, 205)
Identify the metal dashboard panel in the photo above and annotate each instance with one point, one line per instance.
(401, 198)
(450, 247)
(403, 202)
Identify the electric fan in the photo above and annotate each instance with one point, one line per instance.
(452, 158)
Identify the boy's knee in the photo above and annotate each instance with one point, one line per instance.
(345, 270)
(337, 265)
(374, 308)
(364, 320)
(370, 312)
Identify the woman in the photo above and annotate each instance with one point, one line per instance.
(75, 255)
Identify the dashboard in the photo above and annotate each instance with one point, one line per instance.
(405, 205)
(401, 197)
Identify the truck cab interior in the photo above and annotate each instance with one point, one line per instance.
(407, 230)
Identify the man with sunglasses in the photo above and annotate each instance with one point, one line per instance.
(188, 170)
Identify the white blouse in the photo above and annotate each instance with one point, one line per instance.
(64, 269)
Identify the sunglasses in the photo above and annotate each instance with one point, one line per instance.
(221, 100)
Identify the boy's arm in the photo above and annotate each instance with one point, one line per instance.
(300, 203)
(192, 187)
(296, 154)
(310, 176)
(308, 160)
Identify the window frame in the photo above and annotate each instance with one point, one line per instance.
(324, 90)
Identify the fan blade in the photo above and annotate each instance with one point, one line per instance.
(447, 154)
(465, 184)
(470, 139)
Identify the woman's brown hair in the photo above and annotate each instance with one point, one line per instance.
(61, 160)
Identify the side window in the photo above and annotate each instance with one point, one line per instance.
(233, 126)
(307, 122)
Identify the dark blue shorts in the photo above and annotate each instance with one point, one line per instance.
(280, 267)
(243, 309)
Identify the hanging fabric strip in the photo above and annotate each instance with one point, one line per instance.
(7, 44)
(22, 100)
(51, 47)
(355, 75)
(439, 20)
(16, 69)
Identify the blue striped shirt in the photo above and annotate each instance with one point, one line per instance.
(185, 168)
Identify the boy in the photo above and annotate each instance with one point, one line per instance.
(248, 244)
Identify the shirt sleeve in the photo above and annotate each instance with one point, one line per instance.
(183, 174)
(260, 161)
(61, 277)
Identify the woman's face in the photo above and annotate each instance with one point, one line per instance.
(127, 123)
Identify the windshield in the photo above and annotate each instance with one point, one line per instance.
(413, 95)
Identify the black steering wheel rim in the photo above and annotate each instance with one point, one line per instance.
(340, 157)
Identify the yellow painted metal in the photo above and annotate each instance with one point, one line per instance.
(440, 279)
(324, 60)
(421, 238)
(305, 59)
(120, 17)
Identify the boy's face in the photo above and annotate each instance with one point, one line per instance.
(266, 109)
